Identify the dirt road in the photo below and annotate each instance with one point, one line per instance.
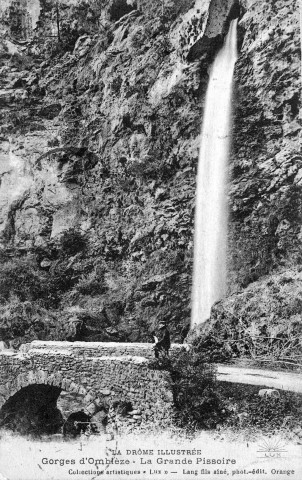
(266, 378)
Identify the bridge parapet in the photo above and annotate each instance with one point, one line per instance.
(98, 349)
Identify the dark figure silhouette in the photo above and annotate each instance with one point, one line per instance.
(163, 344)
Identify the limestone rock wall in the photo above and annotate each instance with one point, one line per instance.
(20, 17)
(265, 192)
(100, 134)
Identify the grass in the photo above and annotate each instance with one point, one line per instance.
(248, 415)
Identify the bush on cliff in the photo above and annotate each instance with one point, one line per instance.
(72, 242)
(92, 284)
(20, 278)
(196, 397)
(203, 403)
(195, 392)
(22, 322)
(249, 414)
(262, 322)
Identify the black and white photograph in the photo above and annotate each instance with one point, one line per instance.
(150, 240)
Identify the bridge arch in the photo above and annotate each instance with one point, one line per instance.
(36, 377)
(100, 376)
(31, 398)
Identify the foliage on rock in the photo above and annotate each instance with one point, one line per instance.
(100, 128)
(246, 411)
(262, 322)
(72, 242)
(202, 402)
(196, 398)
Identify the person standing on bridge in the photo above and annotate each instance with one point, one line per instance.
(164, 343)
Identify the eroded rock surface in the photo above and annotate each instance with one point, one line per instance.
(99, 142)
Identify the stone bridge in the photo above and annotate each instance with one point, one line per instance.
(47, 385)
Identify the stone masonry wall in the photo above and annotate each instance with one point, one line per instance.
(97, 349)
(100, 376)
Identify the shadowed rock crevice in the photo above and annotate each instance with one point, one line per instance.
(215, 28)
(119, 8)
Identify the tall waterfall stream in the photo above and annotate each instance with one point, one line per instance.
(210, 243)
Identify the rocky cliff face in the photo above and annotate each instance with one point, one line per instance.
(101, 111)
(266, 169)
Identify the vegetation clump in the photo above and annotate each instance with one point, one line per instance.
(197, 401)
(204, 403)
(261, 323)
(72, 242)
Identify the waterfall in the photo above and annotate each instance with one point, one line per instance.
(210, 242)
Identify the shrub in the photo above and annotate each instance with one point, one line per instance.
(92, 284)
(21, 278)
(195, 392)
(72, 242)
(196, 396)
(246, 409)
(214, 348)
(151, 167)
(27, 321)
(270, 413)
(60, 281)
(262, 322)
